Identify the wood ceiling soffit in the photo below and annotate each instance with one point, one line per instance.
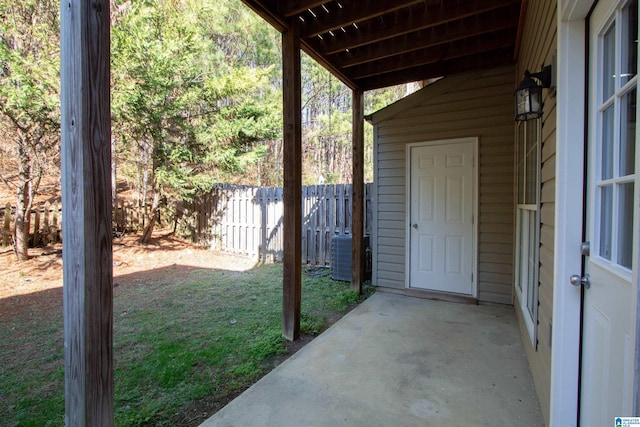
(479, 61)
(350, 12)
(466, 28)
(403, 22)
(481, 44)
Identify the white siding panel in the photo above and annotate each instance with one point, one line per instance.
(390, 207)
(390, 283)
(384, 190)
(391, 164)
(395, 278)
(398, 242)
(393, 216)
(397, 259)
(393, 198)
(389, 232)
(389, 250)
(391, 267)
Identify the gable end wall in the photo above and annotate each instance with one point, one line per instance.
(478, 105)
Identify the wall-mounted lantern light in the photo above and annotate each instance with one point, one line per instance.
(528, 95)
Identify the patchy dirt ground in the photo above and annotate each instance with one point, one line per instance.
(44, 269)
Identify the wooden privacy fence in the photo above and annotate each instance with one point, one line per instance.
(237, 219)
(129, 217)
(44, 224)
(248, 220)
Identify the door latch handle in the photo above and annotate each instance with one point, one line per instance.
(577, 280)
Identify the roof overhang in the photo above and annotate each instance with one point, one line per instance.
(372, 44)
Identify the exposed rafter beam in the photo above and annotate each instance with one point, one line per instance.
(295, 7)
(400, 40)
(328, 65)
(261, 8)
(425, 38)
(352, 12)
(418, 18)
(444, 52)
(470, 63)
(267, 12)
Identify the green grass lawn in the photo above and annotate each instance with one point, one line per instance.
(178, 344)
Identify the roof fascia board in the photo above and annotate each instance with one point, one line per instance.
(268, 15)
(320, 60)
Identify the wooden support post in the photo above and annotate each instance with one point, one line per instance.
(292, 159)
(86, 195)
(357, 201)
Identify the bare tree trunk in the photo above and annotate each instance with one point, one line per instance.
(151, 219)
(145, 177)
(155, 193)
(23, 204)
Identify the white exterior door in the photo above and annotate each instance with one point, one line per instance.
(609, 310)
(441, 224)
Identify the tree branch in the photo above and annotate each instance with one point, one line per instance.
(7, 183)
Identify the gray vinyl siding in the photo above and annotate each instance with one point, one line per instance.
(538, 47)
(471, 105)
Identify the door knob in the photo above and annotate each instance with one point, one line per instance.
(415, 226)
(577, 280)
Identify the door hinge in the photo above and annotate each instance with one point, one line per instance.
(471, 277)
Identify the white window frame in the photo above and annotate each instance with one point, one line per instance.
(615, 101)
(527, 281)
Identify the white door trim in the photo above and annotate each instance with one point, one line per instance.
(569, 186)
(374, 203)
(475, 142)
(565, 342)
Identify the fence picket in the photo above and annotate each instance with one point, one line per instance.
(36, 228)
(46, 228)
(53, 238)
(6, 233)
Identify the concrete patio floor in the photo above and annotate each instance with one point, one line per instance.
(399, 361)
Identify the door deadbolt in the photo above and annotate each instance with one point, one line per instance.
(585, 248)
